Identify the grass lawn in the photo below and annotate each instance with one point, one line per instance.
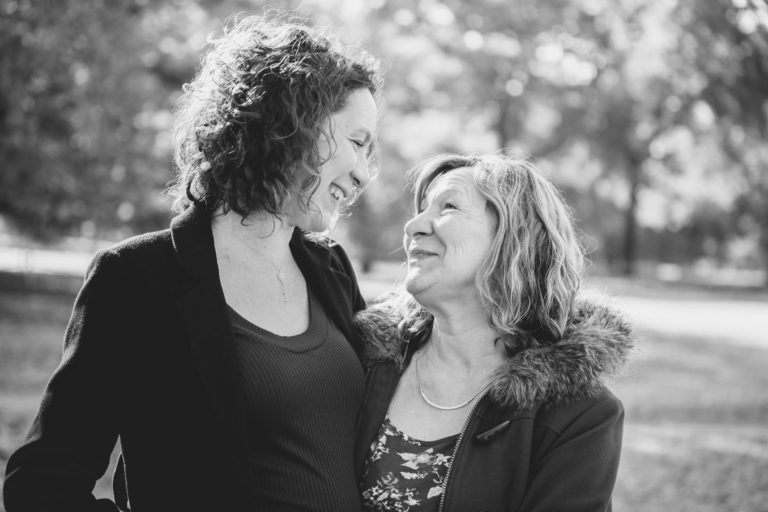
(696, 435)
(696, 432)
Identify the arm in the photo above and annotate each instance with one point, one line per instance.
(71, 439)
(578, 471)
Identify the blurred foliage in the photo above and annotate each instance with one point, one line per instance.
(651, 116)
(75, 92)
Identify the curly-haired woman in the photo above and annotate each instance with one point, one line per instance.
(219, 351)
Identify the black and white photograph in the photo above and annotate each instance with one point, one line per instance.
(384, 255)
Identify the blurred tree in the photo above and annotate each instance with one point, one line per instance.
(623, 111)
(618, 100)
(364, 234)
(727, 44)
(545, 76)
(69, 93)
(86, 92)
(625, 78)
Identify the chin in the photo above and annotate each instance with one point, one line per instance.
(316, 228)
(319, 222)
(415, 287)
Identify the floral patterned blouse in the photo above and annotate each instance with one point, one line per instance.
(404, 474)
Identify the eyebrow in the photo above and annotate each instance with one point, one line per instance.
(450, 191)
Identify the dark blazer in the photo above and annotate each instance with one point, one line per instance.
(149, 360)
(547, 435)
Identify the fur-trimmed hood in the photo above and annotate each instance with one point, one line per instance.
(595, 345)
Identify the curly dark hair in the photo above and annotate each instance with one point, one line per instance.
(247, 126)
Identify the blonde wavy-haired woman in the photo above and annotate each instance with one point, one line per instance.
(485, 372)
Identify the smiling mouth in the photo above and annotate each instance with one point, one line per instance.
(419, 254)
(337, 192)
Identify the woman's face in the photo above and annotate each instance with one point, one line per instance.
(447, 240)
(353, 129)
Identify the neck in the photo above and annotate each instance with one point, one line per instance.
(264, 235)
(464, 339)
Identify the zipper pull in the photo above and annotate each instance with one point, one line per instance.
(404, 350)
(493, 432)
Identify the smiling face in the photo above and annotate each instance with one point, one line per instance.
(345, 161)
(446, 242)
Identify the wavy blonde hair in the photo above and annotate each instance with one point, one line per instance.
(532, 272)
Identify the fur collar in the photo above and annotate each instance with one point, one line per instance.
(596, 344)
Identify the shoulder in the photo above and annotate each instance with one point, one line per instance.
(603, 408)
(133, 255)
(596, 344)
(144, 245)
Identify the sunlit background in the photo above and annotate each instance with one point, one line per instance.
(651, 116)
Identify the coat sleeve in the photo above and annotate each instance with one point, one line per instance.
(578, 471)
(69, 445)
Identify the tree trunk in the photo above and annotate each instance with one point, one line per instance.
(629, 251)
(364, 231)
(764, 250)
(503, 126)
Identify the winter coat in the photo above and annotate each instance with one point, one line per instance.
(149, 359)
(547, 435)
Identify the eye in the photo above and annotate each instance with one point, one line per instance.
(358, 143)
(449, 206)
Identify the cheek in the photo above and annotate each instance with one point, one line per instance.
(351, 159)
(471, 248)
(342, 161)
(481, 245)
(461, 248)
(458, 238)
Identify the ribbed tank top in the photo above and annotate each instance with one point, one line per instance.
(303, 393)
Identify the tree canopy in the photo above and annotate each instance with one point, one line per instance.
(651, 116)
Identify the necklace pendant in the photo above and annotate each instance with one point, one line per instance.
(281, 279)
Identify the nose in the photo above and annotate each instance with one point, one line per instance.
(419, 225)
(361, 175)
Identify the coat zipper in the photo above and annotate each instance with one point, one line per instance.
(456, 450)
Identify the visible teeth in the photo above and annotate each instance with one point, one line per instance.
(336, 192)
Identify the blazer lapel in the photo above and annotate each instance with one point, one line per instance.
(202, 309)
(332, 288)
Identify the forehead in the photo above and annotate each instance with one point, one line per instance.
(460, 181)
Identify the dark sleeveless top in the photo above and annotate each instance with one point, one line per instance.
(303, 395)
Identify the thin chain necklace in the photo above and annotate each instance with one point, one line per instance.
(280, 278)
(279, 274)
(433, 404)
